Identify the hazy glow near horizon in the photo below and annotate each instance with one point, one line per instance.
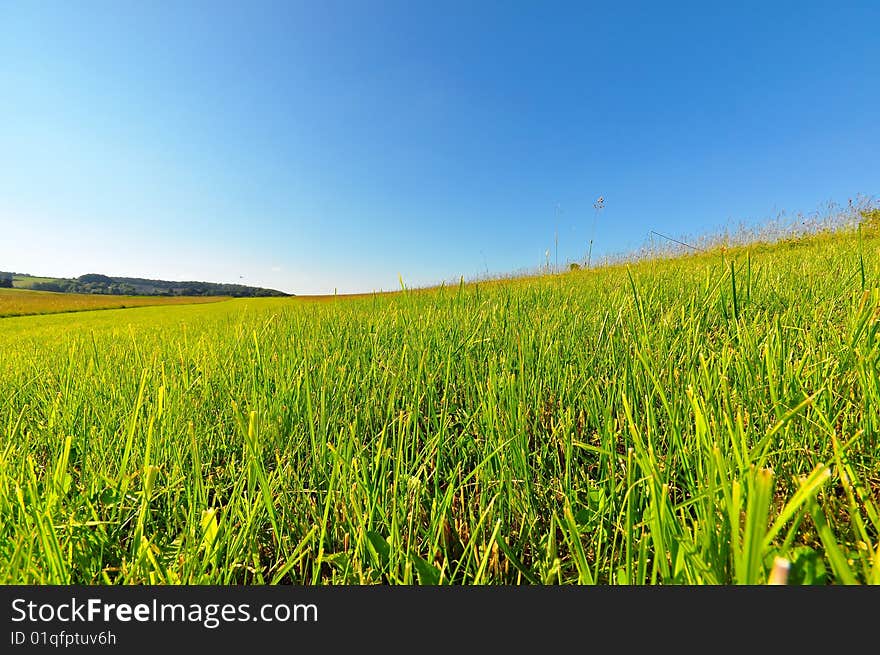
(313, 147)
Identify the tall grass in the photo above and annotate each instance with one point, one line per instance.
(672, 421)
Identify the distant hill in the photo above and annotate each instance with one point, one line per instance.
(95, 283)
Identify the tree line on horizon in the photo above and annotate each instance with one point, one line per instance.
(95, 283)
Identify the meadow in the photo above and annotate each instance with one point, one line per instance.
(669, 421)
(27, 281)
(22, 302)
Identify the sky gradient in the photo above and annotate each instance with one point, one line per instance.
(313, 147)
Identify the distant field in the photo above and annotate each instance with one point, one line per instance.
(20, 302)
(680, 421)
(26, 282)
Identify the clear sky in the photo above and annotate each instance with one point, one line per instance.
(336, 145)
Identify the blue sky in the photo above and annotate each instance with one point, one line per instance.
(318, 146)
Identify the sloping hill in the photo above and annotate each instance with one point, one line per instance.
(672, 421)
(22, 302)
(96, 283)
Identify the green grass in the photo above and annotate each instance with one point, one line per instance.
(677, 421)
(27, 281)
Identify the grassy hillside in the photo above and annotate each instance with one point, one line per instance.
(677, 421)
(20, 302)
(95, 283)
(28, 281)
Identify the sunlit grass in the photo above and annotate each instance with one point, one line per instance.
(678, 421)
(22, 302)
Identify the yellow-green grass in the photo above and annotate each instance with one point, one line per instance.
(26, 282)
(21, 302)
(676, 421)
